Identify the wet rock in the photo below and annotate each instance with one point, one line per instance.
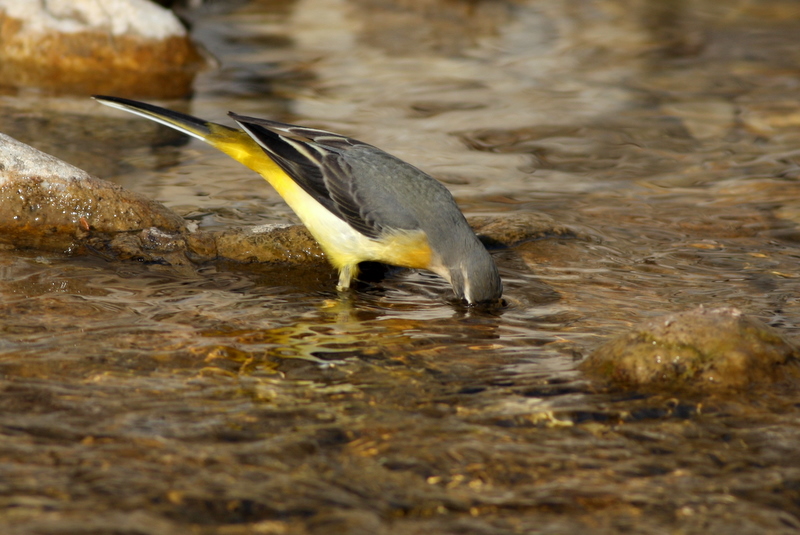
(268, 243)
(150, 245)
(705, 348)
(516, 228)
(48, 204)
(122, 47)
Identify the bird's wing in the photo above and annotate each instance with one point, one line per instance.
(317, 161)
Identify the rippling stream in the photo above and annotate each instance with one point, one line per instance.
(238, 399)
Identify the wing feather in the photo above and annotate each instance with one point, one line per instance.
(345, 195)
(316, 161)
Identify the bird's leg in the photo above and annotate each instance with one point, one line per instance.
(346, 276)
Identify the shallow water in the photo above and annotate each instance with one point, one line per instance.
(255, 399)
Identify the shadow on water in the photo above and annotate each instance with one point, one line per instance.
(257, 399)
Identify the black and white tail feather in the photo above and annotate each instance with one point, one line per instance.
(317, 161)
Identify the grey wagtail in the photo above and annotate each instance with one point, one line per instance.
(360, 203)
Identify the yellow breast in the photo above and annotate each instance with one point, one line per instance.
(344, 245)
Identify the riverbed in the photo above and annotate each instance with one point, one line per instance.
(249, 398)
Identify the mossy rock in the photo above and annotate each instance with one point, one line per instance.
(705, 348)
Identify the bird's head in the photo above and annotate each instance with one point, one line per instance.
(475, 279)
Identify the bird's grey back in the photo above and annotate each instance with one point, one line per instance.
(397, 195)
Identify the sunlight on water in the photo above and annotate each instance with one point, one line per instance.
(258, 399)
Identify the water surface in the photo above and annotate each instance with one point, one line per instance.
(257, 399)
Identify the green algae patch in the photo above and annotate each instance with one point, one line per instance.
(705, 348)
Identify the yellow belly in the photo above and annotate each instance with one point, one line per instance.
(344, 245)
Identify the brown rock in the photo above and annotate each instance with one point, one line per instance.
(121, 47)
(48, 204)
(516, 228)
(271, 243)
(705, 348)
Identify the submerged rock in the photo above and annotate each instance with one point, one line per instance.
(699, 349)
(268, 243)
(120, 47)
(516, 228)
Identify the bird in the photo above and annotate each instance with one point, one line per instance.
(359, 203)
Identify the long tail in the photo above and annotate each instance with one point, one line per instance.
(193, 126)
(233, 142)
